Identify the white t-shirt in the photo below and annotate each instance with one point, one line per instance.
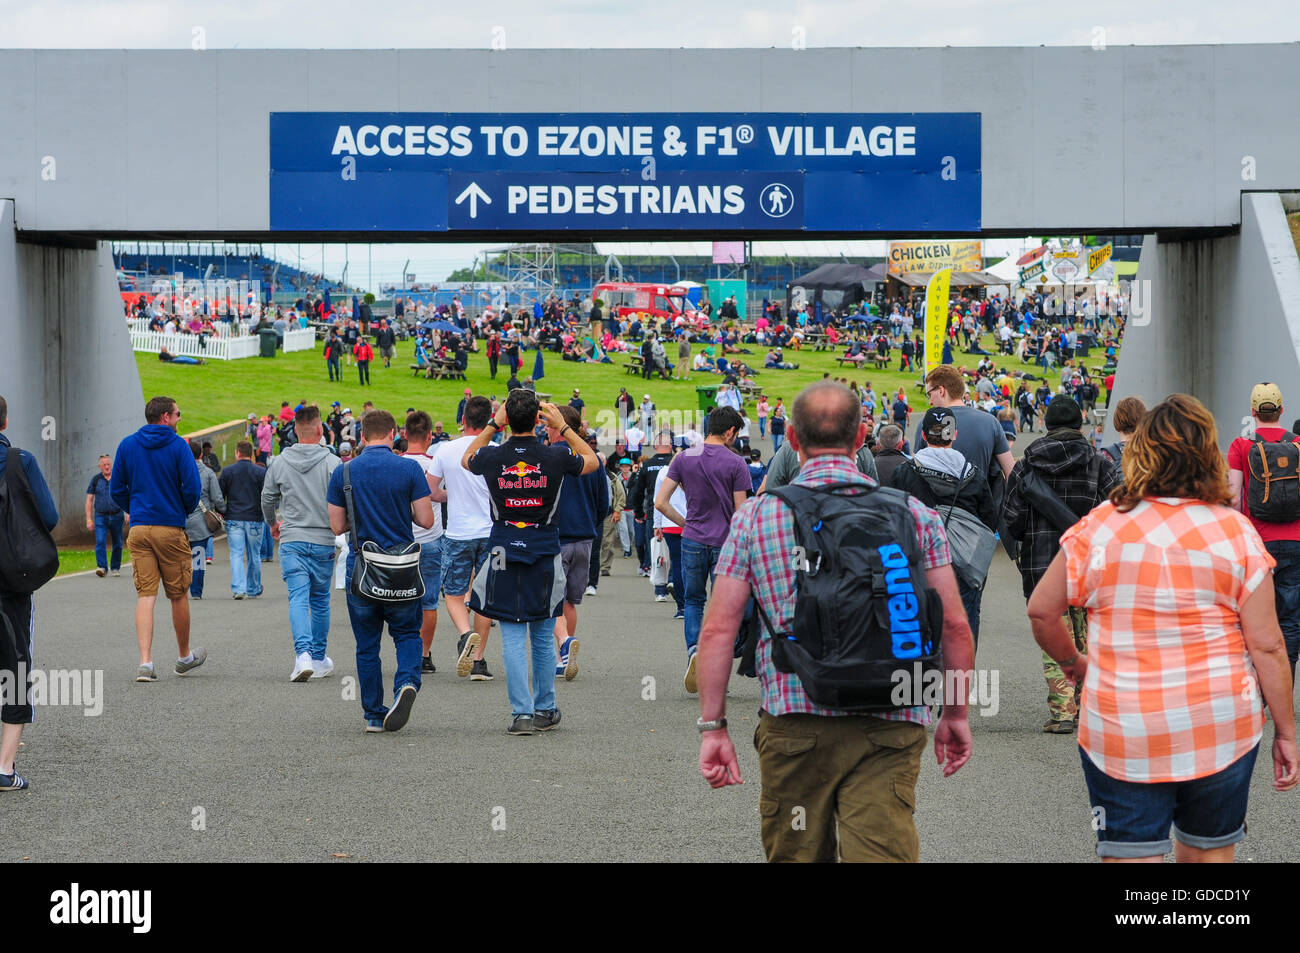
(635, 437)
(677, 500)
(433, 533)
(469, 508)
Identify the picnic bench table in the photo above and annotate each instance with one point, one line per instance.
(634, 365)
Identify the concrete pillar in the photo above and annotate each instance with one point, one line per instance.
(66, 365)
(1219, 315)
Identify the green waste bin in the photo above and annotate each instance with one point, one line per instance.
(269, 339)
(708, 395)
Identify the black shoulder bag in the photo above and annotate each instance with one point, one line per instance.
(381, 574)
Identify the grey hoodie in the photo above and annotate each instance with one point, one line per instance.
(196, 527)
(295, 484)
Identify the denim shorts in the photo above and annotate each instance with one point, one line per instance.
(431, 570)
(1133, 819)
(459, 559)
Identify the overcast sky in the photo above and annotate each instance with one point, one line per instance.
(583, 24)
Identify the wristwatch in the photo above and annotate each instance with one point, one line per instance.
(493, 424)
(702, 726)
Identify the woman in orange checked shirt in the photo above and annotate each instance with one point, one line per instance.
(1183, 641)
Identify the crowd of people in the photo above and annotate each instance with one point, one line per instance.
(513, 515)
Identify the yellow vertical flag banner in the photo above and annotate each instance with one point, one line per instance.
(936, 317)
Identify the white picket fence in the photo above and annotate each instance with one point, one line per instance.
(217, 348)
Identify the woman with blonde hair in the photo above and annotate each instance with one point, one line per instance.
(1184, 647)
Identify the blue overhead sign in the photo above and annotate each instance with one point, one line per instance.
(598, 172)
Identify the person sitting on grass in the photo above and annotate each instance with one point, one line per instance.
(775, 359)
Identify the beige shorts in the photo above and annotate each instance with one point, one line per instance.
(160, 553)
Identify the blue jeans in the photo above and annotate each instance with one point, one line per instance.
(970, 600)
(697, 561)
(198, 564)
(210, 548)
(244, 537)
(517, 638)
(642, 547)
(674, 541)
(762, 426)
(108, 525)
(368, 620)
(308, 571)
(1206, 812)
(1286, 593)
(268, 544)
(777, 438)
(430, 569)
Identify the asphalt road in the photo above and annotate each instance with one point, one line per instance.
(276, 771)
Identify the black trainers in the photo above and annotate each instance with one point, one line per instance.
(400, 713)
(465, 653)
(426, 666)
(546, 720)
(522, 725)
(480, 673)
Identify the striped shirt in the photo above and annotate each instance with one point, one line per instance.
(1171, 693)
(757, 552)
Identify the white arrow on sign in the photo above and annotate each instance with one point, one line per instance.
(474, 194)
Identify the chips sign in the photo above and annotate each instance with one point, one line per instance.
(1099, 256)
(910, 258)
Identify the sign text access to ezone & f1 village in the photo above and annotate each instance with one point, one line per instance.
(590, 172)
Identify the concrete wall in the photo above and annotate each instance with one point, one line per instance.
(1224, 315)
(66, 367)
(1074, 139)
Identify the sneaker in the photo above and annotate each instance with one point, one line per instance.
(569, 652)
(559, 670)
(146, 673)
(662, 598)
(209, 561)
(691, 681)
(1059, 727)
(427, 667)
(400, 713)
(16, 782)
(197, 658)
(118, 572)
(627, 554)
(241, 595)
(679, 614)
(101, 572)
(480, 673)
(546, 720)
(521, 725)
(302, 668)
(374, 725)
(591, 591)
(323, 669)
(642, 571)
(604, 572)
(466, 646)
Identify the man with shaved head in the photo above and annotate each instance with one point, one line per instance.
(853, 774)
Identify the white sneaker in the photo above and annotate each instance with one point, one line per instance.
(302, 668)
(323, 669)
(663, 598)
(591, 591)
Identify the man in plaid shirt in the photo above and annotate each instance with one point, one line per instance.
(823, 769)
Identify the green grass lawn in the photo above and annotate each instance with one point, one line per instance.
(227, 390)
(82, 560)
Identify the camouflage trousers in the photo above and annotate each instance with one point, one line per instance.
(1062, 696)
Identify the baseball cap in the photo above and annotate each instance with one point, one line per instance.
(647, 396)
(335, 404)
(939, 424)
(1266, 397)
(345, 446)
(626, 460)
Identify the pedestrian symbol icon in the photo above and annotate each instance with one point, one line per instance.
(776, 200)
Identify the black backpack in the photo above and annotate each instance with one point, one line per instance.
(863, 611)
(1274, 479)
(28, 557)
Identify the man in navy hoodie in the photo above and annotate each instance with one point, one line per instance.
(156, 481)
(16, 655)
(580, 515)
